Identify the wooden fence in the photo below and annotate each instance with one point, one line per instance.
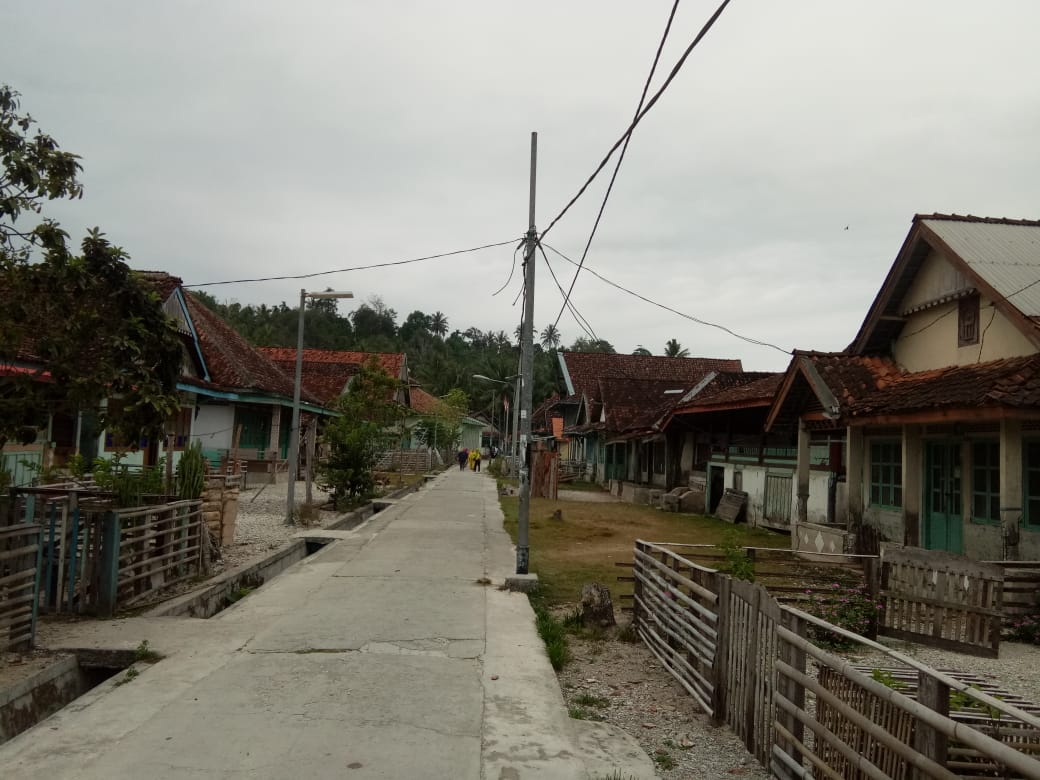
(96, 559)
(146, 550)
(19, 565)
(804, 712)
(941, 600)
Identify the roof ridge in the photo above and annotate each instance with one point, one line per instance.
(973, 218)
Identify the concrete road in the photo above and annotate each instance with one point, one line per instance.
(384, 655)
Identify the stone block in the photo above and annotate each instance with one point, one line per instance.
(692, 502)
(654, 497)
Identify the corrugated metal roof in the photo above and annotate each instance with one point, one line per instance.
(1005, 253)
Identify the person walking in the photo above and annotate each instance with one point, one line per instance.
(461, 456)
(476, 461)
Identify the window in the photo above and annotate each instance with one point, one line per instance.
(886, 474)
(968, 321)
(1031, 488)
(985, 481)
(658, 457)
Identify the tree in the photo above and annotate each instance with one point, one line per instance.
(442, 429)
(367, 425)
(674, 349)
(585, 344)
(439, 324)
(641, 350)
(79, 329)
(550, 337)
(34, 171)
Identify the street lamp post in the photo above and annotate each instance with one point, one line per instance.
(294, 430)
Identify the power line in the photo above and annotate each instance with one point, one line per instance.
(617, 166)
(583, 323)
(690, 317)
(650, 104)
(511, 271)
(354, 268)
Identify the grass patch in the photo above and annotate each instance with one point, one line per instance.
(664, 759)
(553, 634)
(591, 487)
(594, 536)
(591, 700)
(146, 654)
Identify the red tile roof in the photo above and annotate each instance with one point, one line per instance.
(233, 363)
(423, 402)
(1012, 382)
(326, 372)
(587, 368)
(748, 388)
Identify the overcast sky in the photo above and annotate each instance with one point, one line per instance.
(768, 190)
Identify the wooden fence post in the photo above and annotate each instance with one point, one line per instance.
(109, 575)
(793, 691)
(928, 741)
(73, 543)
(637, 589)
(36, 588)
(720, 665)
(751, 668)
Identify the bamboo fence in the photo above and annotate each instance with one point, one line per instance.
(805, 712)
(19, 565)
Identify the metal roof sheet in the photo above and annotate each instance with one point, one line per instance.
(1005, 254)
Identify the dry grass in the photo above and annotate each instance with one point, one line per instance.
(592, 537)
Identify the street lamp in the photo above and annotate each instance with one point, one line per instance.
(516, 396)
(294, 430)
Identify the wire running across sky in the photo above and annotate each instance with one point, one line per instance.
(355, 268)
(684, 315)
(617, 165)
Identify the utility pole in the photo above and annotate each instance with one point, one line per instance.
(527, 377)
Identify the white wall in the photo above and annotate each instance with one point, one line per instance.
(213, 426)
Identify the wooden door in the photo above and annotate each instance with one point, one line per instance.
(942, 515)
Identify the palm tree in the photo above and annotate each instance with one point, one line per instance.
(550, 336)
(439, 324)
(643, 351)
(674, 349)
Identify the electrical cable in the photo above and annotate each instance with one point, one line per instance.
(652, 302)
(650, 104)
(620, 159)
(355, 268)
(583, 323)
(511, 271)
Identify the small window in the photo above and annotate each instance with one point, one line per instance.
(968, 321)
(886, 474)
(985, 481)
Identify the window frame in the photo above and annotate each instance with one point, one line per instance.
(890, 467)
(988, 466)
(968, 314)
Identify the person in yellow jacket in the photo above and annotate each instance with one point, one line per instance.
(473, 453)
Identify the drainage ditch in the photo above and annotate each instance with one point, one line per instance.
(27, 702)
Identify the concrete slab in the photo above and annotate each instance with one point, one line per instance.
(384, 655)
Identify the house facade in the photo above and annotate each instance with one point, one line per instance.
(926, 430)
(612, 406)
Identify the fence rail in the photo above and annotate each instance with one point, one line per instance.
(805, 712)
(19, 564)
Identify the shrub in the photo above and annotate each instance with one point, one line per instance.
(737, 564)
(1023, 629)
(844, 605)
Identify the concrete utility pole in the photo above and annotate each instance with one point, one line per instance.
(527, 377)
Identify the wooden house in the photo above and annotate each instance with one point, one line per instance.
(926, 430)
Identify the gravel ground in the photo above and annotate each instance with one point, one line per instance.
(261, 527)
(622, 683)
